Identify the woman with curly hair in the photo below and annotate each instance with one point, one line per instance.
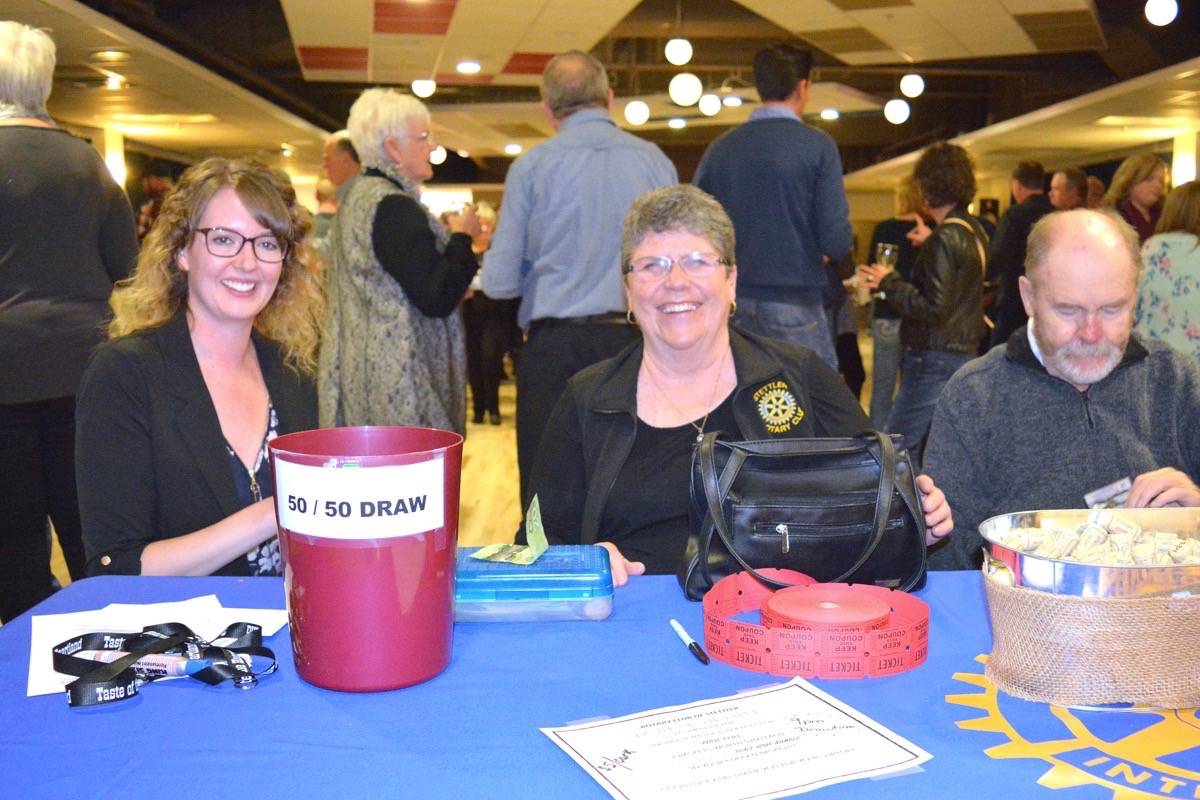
(939, 306)
(1137, 192)
(211, 354)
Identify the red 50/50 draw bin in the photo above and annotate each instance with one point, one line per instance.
(368, 522)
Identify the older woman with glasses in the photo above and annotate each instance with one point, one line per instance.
(614, 463)
(213, 344)
(393, 352)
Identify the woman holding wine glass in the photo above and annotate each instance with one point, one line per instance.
(941, 323)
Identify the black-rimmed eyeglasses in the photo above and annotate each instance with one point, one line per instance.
(224, 243)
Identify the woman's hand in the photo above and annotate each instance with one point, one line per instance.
(1162, 487)
(938, 520)
(621, 568)
(873, 274)
(464, 222)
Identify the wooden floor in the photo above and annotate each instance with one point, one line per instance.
(490, 505)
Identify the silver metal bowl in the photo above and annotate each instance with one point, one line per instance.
(1092, 580)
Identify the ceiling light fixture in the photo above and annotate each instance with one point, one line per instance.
(896, 111)
(424, 87)
(710, 105)
(732, 101)
(463, 154)
(637, 112)
(1161, 12)
(114, 82)
(512, 149)
(830, 113)
(911, 85)
(110, 56)
(286, 150)
(676, 123)
(685, 89)
(437, 156)
(468, 67)
(678, 50)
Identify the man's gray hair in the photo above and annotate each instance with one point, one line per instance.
(27, 57)
(682, 207)
(1078, 221)
(572, 81)
(378, 114)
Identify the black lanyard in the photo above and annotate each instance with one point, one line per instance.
(232, 655)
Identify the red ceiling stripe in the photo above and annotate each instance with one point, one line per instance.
(527, 63)
(432, 18)
(463, 80)
(333, 57)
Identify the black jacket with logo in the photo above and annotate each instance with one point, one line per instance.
(593, 427)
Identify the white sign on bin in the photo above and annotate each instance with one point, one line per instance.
(360, 502)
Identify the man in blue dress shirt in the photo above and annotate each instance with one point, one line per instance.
(780, 181)
(557, 245)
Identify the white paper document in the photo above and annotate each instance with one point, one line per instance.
(772, 742)
(204, 615)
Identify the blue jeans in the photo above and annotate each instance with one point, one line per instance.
(801, 324)
(923, 374)
(884, 368)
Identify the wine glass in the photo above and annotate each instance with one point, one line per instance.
(886, 254)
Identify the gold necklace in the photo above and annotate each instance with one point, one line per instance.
(712, 399)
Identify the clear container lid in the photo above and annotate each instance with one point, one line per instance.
(564, 572)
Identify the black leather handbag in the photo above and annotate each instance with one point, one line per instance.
(838, 510)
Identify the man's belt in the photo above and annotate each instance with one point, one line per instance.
(609, 318)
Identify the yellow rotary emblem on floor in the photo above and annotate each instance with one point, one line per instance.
(1133, 765)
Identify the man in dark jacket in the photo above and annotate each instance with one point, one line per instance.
(1006, 262)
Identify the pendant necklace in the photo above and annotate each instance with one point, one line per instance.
(711, 399)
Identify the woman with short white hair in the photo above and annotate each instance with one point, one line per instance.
(66, 235)
(393, 351)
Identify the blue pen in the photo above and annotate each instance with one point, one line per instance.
(153, 664)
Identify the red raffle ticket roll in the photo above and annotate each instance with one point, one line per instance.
(815, 630)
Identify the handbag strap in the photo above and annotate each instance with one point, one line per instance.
(716, 489)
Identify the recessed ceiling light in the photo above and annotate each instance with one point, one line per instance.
(438, 156)
(677, 123)
(732, 101)
(468, 68)
(111, 56)
(114, 82)
(286, 150)
(463, 154)
(829, 113)
(423, 87)
(512, 149)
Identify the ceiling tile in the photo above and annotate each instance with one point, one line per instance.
(413, 16)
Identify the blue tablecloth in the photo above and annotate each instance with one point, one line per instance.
(473, 731)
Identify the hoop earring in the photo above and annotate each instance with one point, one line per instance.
(629, 316)
(732, 309)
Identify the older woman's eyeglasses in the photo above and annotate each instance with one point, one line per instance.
(651, 269)
(225, 243)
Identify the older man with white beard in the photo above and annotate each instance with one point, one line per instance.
(1074, 403)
